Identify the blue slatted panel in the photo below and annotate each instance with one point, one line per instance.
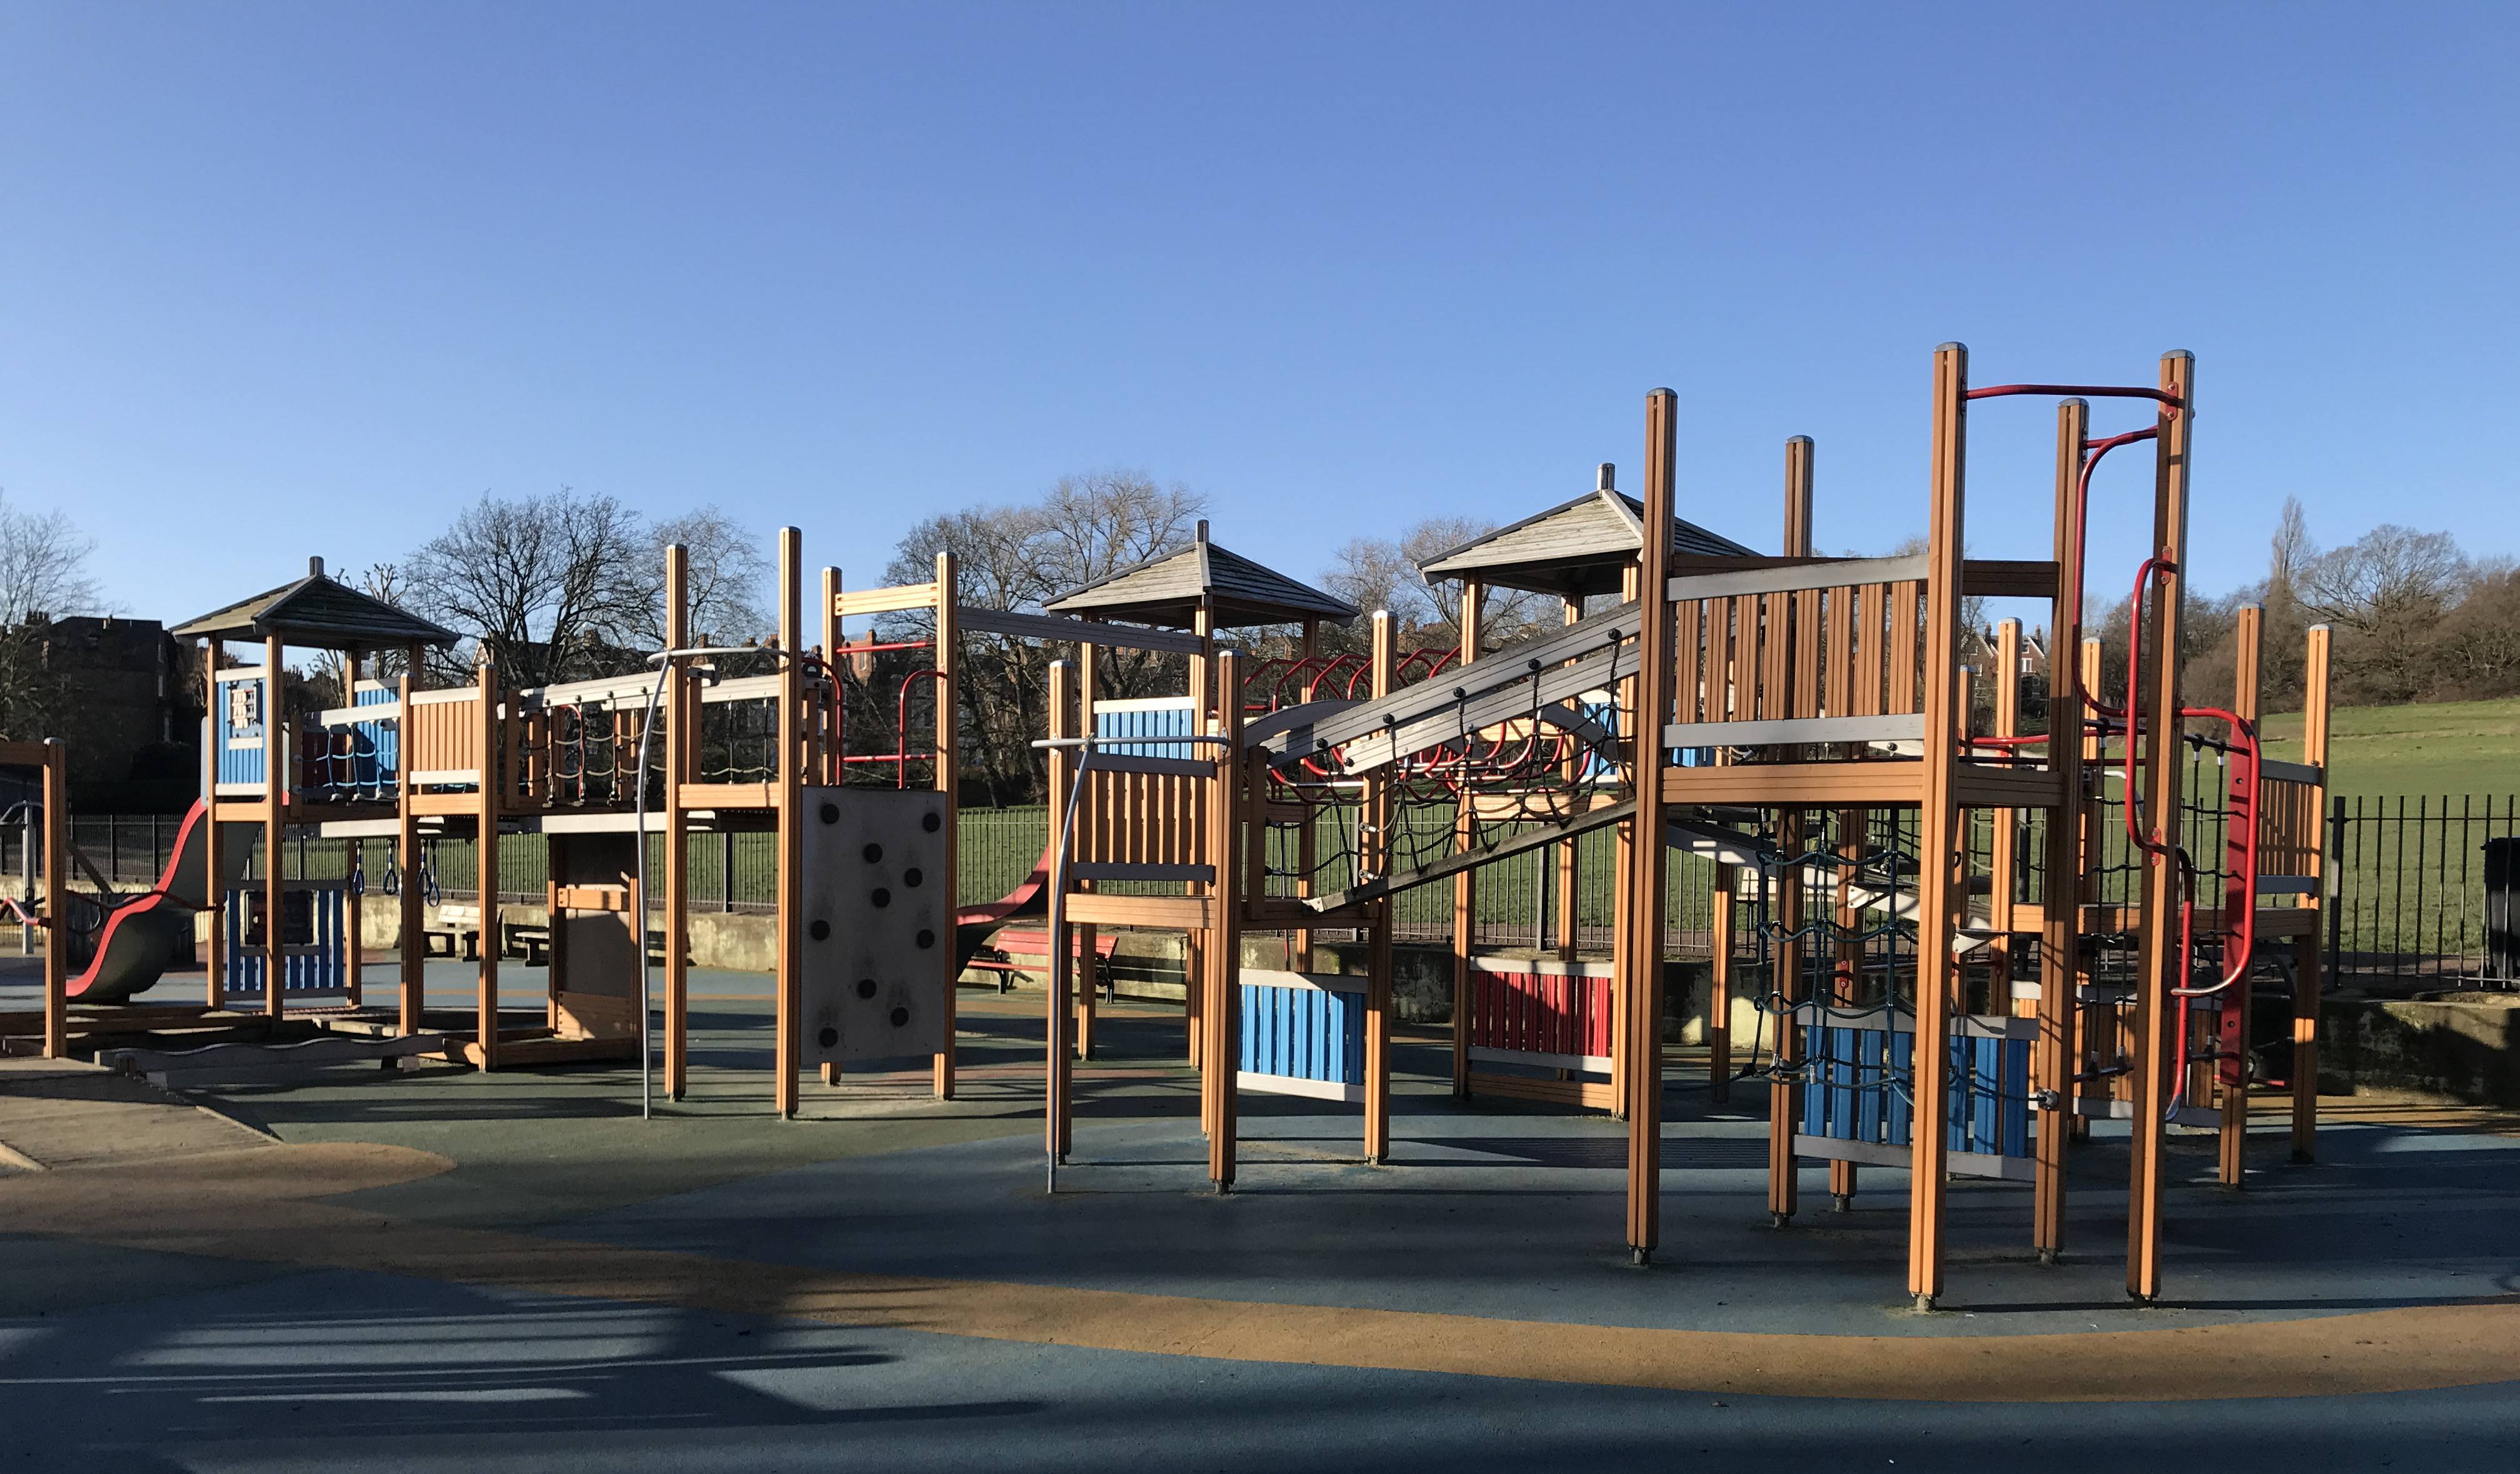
(1303, 1033)
(325, 969)
(240, 743)
(1166, 720)
(1845, 1100)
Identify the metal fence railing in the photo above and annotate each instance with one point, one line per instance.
(2405, 877)
(2406, 897)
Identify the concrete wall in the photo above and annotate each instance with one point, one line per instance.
(2460, 1046)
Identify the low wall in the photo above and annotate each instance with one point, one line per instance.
(2461, 1047)
(2458, 1047)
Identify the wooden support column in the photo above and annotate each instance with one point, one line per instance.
(947, 690)
(1058, 1059)
(2231, 1076)
(1299, 945)
(788, 797)
(1569, 865)
(1847, 976)
(2306, 957)
(681, 721)
(413, 942)
(57, 896)
(1225, 936)
(1641, 985)
(2004, 844)
(485, 867)
(1939, 833)
(2056, 1055)
(1465, 885)
(1377, 979)
(1195, 943)
(2157, 970)
(214, 969)
(355, 950)
(274, 793)
(1801, 689)
(1088, 679)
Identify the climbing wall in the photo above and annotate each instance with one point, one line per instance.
(877, 934)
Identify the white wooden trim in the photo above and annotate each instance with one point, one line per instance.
(1901, 728)
(1542, 967)
(1598, 1065)
(1795, 578)
(1288, 1085)
(1320, 982)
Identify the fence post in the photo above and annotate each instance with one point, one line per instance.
(726, 869)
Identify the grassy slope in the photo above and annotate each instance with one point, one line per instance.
(2456, 747)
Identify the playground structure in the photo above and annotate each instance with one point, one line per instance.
(1815, 742)
(1810, 726)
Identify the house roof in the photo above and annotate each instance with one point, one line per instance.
(1576, 547)
(319, 613)
(1168, 591)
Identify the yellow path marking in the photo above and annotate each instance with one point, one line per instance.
(257, 1204)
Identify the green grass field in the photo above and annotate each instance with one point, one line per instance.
(2458, 747)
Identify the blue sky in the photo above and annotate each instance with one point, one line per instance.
(294, 278)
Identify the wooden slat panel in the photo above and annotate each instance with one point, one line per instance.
(1174, 913)
(1797, 784)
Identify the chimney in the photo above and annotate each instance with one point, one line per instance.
(1609, 480)
(1201, 536)
(315, 568)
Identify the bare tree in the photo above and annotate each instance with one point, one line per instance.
(1382, 573)
(551, 588)
(1087, 528)
(2386, 592)
(728, 573)
(43, 575)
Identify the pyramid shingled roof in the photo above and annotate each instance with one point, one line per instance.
(1576, 547)
(1168, 591)
(319, 613)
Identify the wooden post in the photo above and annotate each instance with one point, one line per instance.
(947, 690)
(1300, 955)
(681, 720)
(1649, 857)
(2054, 1056)
(1466, 886)
(787, 800)
(1378, 981)
(2306, 959)
(1939, 833)
(413, 942)
(2003, 845)
(1057, 1062)
(353, 947)
(275, 792)
(1194, 944)
(2104, 1021)
(2157, 970)
(1225, 934)
(57, 897)
(1088, 677)
(486, 998)
(1569, 864)
(214, 739)
(1784, 1093)
(2231, 1077)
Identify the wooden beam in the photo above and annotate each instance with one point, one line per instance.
(274, 793)
(1224, 959)
(1938, 834)
(680, 717)
(788, 926)
(1641, 1004)
(1058, 1058)
(1378, 971)
(1465, 885)
(946, 743)
(2053, 1054)
(2231, 1077)
(2307, 960)
(1799, 684)
(2157, 716)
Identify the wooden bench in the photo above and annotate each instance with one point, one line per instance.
(1009, 945)
(460, 929)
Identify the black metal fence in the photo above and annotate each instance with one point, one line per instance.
(2407, 902)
